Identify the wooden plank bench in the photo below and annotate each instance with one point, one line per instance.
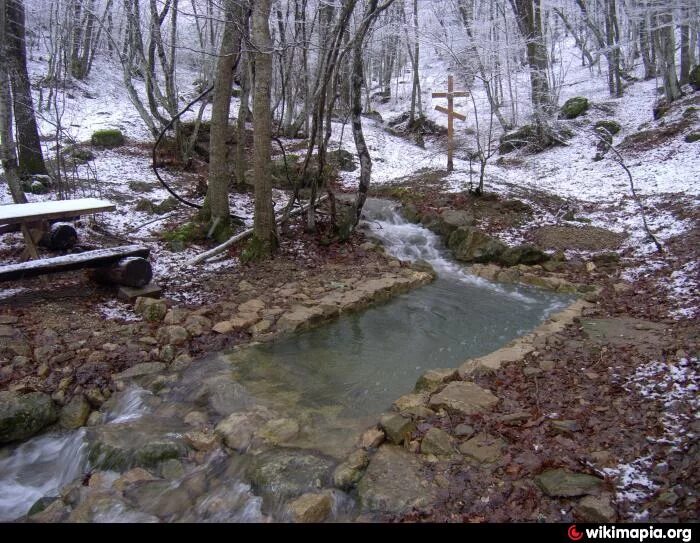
(125, 265)
(36, 212)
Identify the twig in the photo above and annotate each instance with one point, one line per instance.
(621, 162)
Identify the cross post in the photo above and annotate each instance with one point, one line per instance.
(451, 94)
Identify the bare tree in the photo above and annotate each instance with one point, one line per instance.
(264, 241)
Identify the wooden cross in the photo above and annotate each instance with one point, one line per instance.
(451, 94)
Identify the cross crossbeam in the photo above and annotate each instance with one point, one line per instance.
(451, 94)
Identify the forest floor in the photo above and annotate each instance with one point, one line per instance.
(624, 376)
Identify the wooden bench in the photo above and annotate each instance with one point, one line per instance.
(26, 215)
(126, 265)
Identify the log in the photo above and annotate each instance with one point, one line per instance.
(129, 272)
(60, 236)
(243, 235)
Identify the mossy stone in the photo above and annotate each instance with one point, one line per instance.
(574, 107)
(108, 138)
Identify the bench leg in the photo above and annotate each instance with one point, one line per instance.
(30, 248)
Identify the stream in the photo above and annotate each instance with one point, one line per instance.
(312, 393)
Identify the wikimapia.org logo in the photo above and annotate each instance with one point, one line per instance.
(636, 534)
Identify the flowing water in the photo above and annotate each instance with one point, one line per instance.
(332, 381)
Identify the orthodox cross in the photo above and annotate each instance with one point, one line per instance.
(451, 115)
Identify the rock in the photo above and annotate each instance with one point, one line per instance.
(139, 370)
(9, 319)
(252, 306)
(22, 416)
(546, 365)
(75, 414)
(372, 438)
(483, 448)
(409, 401)
(196, 418)
(451, 219)
(568, 427)
(694, 77)
(529, 371)
(692, 137)
(279, 431)
(7, 331)
(172, 469)
(432, 379)
(201, 441)
(311, 508)
(144, 442)
(393, 484)
(134, 475)
(347, 474)
(167, 353)
(609, 125)
(284, 473)
(173, 335)
(410, 213)
(574, 107)
(300, 318)
(514, 419)
(151, 309)
(464, 430)
(595, 510)
(396, 427)
(260, 327)
(463, 397)
(237, 430)
(197, 325)
(130, 294)
(437, 442)
(108, 138)
(527, 255)
(471, 245)
(159, 498)
(224, 395)
(562, 483)
(223, 327)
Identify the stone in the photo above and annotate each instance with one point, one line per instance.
(347, 474)
(309, 508)
(437, 442)
(176, 315)
(172, 469)
(224, 395)
(144, 442)
(9, 319)
(595, 509)
(299, 318)
(694, 77)
(451, 219)
(692, 137)
(201, 441)
(372, 438)
(574, 107)
(223, 327)
(167, 353)
(196, 325)
(463, 397)
(409, 401)
(611, 126)
(530, 371)
(237, 430)
(252, 306)
(244, 320)
(196, 418)
(547, 365)
(173, 335)
(464, 430)
(527, 255)
(393, 483)
(108, 138)
(568, 427)
(22, 416)
(150, 309)
(279, 431)
(396, 427)
(139, 370)
(284, 473)
(159, 498)
(260, 327)
(483, 448)
(562, 483)
(75, 413)
(469, 244)
(7, 331)
(433, 379)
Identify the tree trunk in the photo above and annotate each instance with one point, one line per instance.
(132, 271)
(685, 49)
(528, 16)
(666, 51)
(243, 112)
(8, 157)
(31, 158)
(264, 240)
(216, 205)
(645, 46)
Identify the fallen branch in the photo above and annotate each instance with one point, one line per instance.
(621, 162)
(245, 234)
